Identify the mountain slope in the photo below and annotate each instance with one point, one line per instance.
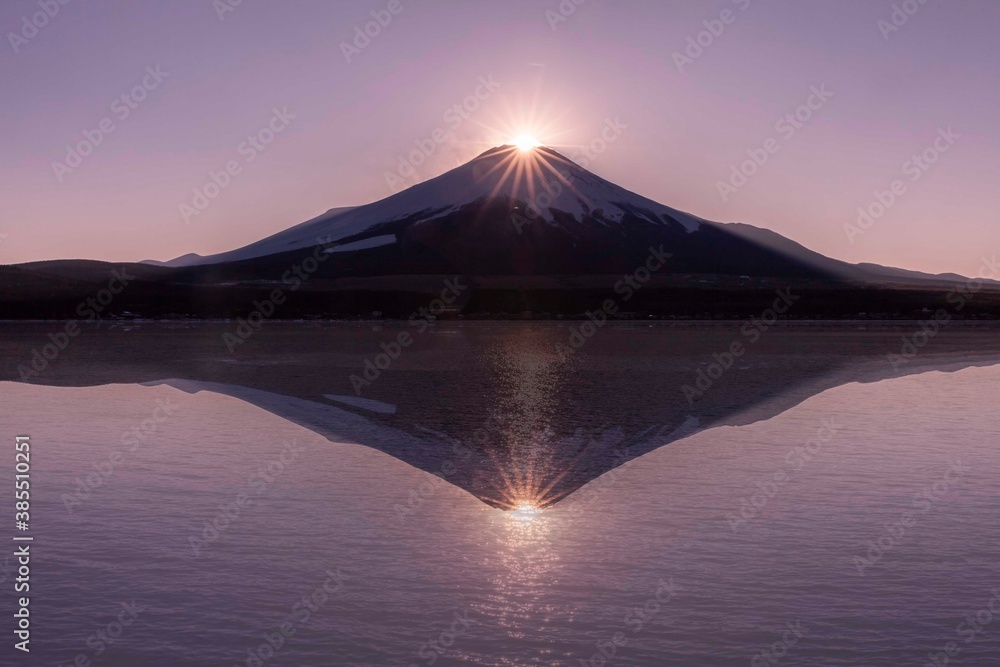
(502, 173)
(528, 231)
(509, 212)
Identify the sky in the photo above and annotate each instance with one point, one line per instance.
(148, 130)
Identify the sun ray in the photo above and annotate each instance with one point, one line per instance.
(511, 163)
(569, 184)
(524, 172)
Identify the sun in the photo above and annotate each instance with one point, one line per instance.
(525, 511)
(526, 142)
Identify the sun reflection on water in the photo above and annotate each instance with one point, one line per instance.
(524, 562)
(525, 511)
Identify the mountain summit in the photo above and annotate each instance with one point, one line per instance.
(520, 212)
(530, 211)
(518, 187)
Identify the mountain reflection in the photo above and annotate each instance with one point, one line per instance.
(496, 409)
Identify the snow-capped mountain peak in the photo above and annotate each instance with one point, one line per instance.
(540, 185)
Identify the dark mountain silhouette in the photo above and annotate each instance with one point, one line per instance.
(529, 231)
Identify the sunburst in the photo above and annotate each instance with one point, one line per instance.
(526, 143)
(535, 171)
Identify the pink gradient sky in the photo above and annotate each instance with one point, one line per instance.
(607, 60)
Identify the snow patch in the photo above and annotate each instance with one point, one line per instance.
(363, 403)
(364, 244)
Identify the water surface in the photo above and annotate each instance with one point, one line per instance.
(692, 533)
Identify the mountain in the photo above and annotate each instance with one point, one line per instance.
(509, 212)
(293, 238)
(92, 271)
(498, 185)
(189, 259)
(536, 213)
(531, 231)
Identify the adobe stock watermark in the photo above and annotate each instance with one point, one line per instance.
(453, 118)
(257, 484)
(90, 309)
(484, 437)
(900, 16)
(250, 149)
(422, 320)
(418, 496)
(636, 620)
(787, 126)
(107, 635)
(605, 438)
(968, 630)
(365, 33)
(438, 646)
(915, 168)
(121, 108)
(563, 12)
(701, 42)
(626, 288)
(752, 330)
(959, 298)
(893, 533)
(610, 133)
(773, 653)
(131, 438)
(796, 459)
(300, 614)
(31, 25)
(224, 7)
(600, 485)
(292, 279)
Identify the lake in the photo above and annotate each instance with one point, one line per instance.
(493, 494)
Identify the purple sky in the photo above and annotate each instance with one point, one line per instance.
(686, 130)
